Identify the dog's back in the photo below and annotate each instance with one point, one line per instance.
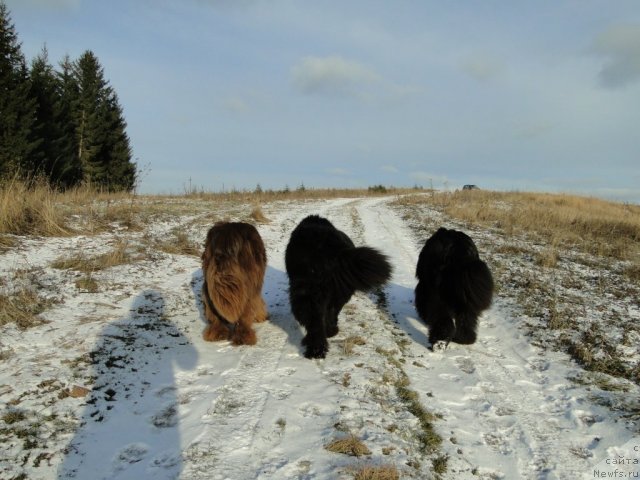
(234, 242)
(320, 254)
(325, 268)
(452, 282)
(233, 263)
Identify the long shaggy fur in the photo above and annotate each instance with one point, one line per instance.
(325, 269)
(454, 287)
(233, 263)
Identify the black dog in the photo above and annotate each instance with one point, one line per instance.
(454, 287)
(325, 269)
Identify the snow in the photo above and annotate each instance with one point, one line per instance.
(166, 404)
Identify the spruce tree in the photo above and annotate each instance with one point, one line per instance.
(121, 172)
(67, 146)
(18, 144)
(45, 89)
(103, 146)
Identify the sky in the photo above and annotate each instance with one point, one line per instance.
(230, 94)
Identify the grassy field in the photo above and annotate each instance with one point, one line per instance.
(566, 268)
(546, 229)
(569, 262)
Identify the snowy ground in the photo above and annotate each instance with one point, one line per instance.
(118, 384)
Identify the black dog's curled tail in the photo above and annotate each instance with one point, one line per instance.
(362, 268)
(469, 284)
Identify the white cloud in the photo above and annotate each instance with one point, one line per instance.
(332, 75)
(620, 44)
(483, 67)
(236, 105)
(389, 169)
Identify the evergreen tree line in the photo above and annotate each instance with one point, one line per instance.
(65, 125)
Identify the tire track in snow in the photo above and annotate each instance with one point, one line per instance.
(261, 409)
(505, 412)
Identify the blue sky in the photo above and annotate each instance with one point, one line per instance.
(509, 95)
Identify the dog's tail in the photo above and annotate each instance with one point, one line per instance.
(469, 287)
(362, 268)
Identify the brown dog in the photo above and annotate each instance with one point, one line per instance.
(233, 264)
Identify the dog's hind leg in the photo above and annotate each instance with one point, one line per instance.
(308, 309)
(315, 340)
(316, 344)
(466, 326)
(215, 331)
(243, 333)
(331, 321)
(441, 327)
(333, 308)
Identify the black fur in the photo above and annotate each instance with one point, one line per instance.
(325, 269)
(454, 287)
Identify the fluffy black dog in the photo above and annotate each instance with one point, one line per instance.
(325, 269)
(454, 287)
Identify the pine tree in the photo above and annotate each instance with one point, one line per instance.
(53, 162)
(103, 146)
(121, 172)
(71, 173)
(18, 144)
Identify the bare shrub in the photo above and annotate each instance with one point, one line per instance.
(258, 215)
(350, 445)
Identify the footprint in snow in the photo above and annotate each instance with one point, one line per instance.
(130, 454)
(285, 372)
(166, 418)
(538, 364)
(465, 364)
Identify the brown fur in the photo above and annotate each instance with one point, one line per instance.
(233, 263)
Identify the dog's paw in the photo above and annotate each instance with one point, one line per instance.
(213, 333)
(244, 336)
(440, 345)
(315, 349)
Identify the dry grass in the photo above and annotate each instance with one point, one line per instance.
(87, 284)
(30, 211)
(350, 342)
(7, 243)
(375, 472)
(350, 445)
(178, 243)
(429, 439)
(23, 308)
(119, 255)
(258, 215)
(595, 226)
(38, 209)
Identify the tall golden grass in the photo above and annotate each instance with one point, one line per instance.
(38, 209)
(35, 208)
(30, 211)
(593, 225)
(597, 226)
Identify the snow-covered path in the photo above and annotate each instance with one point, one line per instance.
(508, 407)
(166, 404)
